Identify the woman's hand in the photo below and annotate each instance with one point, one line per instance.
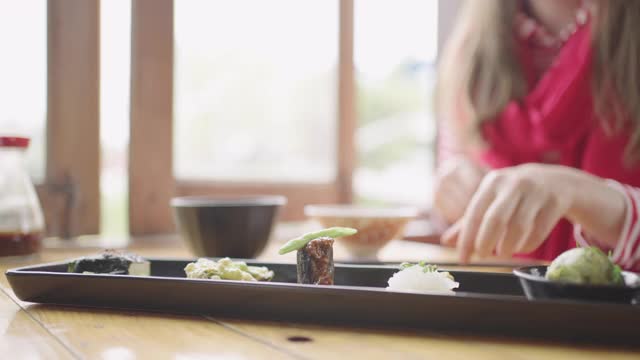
(456, 182)
(515, 209)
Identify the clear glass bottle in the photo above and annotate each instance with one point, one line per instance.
(21, 219)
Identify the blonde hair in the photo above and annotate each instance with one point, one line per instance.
(479, 72)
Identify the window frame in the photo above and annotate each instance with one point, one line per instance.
(151, 183)
(70, 193)
(151, 180)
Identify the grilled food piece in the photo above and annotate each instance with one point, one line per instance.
(315, 262)
(111, 262)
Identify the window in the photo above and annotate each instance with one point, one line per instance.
(49, 83)
(321, 101)
(255, 90)
(261, 97)
(304, 157)
(310, 99)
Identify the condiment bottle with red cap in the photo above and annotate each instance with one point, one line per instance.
(21, 219)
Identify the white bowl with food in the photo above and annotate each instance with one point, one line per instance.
(376, 225)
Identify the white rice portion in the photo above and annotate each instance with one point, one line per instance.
(414, 279)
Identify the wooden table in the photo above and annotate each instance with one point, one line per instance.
(32, 331)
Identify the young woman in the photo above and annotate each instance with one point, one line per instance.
(539, 144)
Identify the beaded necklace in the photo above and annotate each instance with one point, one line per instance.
(530, 29)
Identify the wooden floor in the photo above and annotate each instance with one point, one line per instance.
(32, 331)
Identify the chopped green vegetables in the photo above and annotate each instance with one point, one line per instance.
(299, 242)
(226, 269)
(426, 268)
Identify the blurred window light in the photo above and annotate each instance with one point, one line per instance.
(23, 77)
(255, 90)
(115, 60)
(395, 53)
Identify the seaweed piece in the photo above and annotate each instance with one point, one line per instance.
(111, 262)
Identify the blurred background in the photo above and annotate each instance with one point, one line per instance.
(256, 94)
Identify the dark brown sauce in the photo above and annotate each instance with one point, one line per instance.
(12, 244)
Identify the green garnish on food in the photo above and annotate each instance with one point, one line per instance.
(226, 269)
(426, 268)
(422, 277)
(588, 266)
(299, 242)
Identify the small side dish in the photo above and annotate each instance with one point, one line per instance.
(377, 226)
(422, 278)
(227, 269)
(583, 274)
(315, 254)
(111, 262)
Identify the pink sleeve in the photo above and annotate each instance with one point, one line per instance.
(626, 253)
(553, 113)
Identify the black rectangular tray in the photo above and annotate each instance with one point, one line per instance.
(485, 303)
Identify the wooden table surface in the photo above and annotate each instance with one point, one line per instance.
(33, 331)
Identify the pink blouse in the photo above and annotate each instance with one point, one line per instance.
(556, 123)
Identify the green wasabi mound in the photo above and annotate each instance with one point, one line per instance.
(587, 266)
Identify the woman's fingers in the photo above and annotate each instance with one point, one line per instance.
(451, 202)
(496, 221)
(513, 210)
(456, 181)
(545, 221)
(473, 218)
(521, 224)
(451, 198)
(450, 236)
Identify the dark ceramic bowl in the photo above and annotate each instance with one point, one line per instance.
(537, 287)
(234, 227)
